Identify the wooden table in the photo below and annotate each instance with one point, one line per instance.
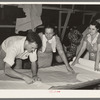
(54, 77)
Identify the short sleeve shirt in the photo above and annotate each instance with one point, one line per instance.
(14, 48)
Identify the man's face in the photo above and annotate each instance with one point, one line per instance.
(30, 47)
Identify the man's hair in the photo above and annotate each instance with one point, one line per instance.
(33, 37)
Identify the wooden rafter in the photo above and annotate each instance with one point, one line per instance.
(65, 25)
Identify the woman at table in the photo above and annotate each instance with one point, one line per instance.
(91, 42)
(50, 43)
(74, 36)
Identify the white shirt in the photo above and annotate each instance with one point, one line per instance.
(14, 48)
(52, 42)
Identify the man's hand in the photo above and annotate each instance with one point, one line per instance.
(28, 79)
(36, 78)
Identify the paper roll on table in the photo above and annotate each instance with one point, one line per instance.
(86, 64)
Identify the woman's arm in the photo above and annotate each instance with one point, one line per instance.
(62, 54)
(83, 48)
(97, 58)
(84, 34)
(79, 47)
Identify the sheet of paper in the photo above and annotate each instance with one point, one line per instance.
(22, 85)
(51, 76)
(86, 64)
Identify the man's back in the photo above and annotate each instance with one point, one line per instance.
(11, 41)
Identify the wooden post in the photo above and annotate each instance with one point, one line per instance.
(91, 14)
(2, 12)
(59, 24)
(65, 25)
(83, 21)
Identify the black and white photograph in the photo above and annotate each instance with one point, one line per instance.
(50, 46)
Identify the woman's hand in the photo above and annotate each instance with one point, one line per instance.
(36, 78)
(96, 68)
(70, 69)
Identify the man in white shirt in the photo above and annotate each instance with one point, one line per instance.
(20, 47)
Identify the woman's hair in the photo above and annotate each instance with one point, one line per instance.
(49, 26)
(33, 37)
(96, 24)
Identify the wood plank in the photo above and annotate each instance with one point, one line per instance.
(65, 25)
(59, 24)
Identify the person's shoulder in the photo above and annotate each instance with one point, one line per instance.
(18, 40)
(86, 31)
(98, 40)
(16, 37)
(86, 37)
(40, 34)
(99, 35)
(57, 37)
(13, 39)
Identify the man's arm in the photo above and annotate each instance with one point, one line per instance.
(34, 69)
(14, 74)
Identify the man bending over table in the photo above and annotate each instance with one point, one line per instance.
(20, 47)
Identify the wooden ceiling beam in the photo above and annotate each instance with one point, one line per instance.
(67, 9)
